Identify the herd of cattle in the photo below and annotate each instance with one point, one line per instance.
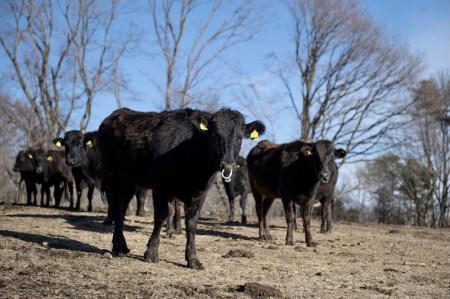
(176, 154)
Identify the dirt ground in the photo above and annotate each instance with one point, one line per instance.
(57, 253)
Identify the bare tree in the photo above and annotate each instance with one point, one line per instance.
(61, 52)
(346, 76)
(192, 46)
(10, 141)
(431, 145)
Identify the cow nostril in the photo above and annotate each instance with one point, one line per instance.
(324, 177)
(39, 170)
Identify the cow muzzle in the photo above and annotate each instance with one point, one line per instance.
(227, 171)
(324, 177)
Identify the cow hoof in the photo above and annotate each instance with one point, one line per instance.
(151, 256)
(169, 236)
(195, 264)
(266, 237)
(312, 244)
(289, 243)
(120, 250)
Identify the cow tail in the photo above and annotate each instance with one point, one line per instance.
(104, 196)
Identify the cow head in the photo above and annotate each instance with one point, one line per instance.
(25, 161)
(322, 154)
(46, 163)
(73, 143)
(225, 130)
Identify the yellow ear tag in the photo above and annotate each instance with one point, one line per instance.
(254, 135)
(309, 153)
(238, 166)
(58, 144)
(30, 156)
(49, 158)
(89, 143)
(203, 127)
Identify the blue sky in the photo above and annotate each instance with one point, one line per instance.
(423, 24)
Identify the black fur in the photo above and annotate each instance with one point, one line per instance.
(238, 186)
(293, 172)
(176, 154)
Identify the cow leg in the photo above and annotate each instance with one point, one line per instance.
(89, 196)
(328, 207)
(161, 211)
(230, 194)
(294, 208)
(323, 212)
(44, 194)
(109, 217)
(170, 226)
(306, 215)
(266, 207)
(192, 211)
(57, 193)
(231, 214)
(141, 196)
(69, 192)
(289, 213)
(34, 191)
(47, 192)
(79, 192)
(29, 187)
(243, 207)
(259, 213)
(119, 204)
(178, 207)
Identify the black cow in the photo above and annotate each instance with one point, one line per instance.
(238, 185)
(176, 154)
(293, 172)
(85, 166)
(55, 172)
(25, 165)
(325, 195)
(90, 142)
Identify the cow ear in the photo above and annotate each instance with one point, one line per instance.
(254, 129)
(307, 151)
(58, 142)
(340, 153)
(201, 123)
